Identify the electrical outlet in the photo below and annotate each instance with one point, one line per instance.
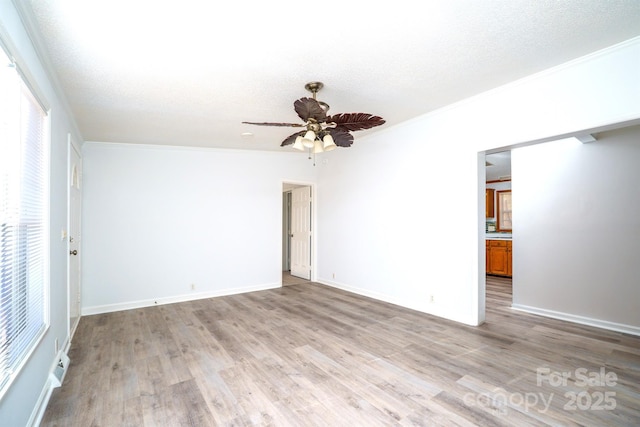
(193, 286)
(431, 298)
(333, 275)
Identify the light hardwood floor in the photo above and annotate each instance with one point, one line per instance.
(311, 355)
(288, 279)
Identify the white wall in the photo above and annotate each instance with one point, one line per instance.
(158, 219)
(30, 388)
(389, 228)
(578, 225)
(393, 222)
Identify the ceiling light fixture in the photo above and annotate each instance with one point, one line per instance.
(317, 137)
(322, 132)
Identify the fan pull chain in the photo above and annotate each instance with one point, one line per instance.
(314, 156)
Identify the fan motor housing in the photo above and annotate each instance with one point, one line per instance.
(314, 126)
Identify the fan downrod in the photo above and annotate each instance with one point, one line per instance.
(314, 87)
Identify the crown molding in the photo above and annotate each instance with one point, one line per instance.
(35, 36)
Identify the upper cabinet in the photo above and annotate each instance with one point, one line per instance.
(504, 210)
(490, 202)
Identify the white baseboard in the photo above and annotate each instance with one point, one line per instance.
(598, 323)
(109, 308)
(432, 309)
(56, 377)
(447, 314)
(41, 405)
(61, 362)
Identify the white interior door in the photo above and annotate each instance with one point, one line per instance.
(301, 232)
(74, 237)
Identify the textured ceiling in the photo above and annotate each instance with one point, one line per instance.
(498, 166)
(189, 72)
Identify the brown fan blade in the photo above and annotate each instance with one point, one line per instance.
(355, 121)
(341, 137)
(291, 138)
(309, 108)
(295, 125)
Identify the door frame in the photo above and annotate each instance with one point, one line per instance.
(286, 186)
(72, 146)
(286, 230)
(479, 296)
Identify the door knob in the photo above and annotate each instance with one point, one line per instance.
(73, 252)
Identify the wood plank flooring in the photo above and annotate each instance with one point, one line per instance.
(311, 355)
(289, 279)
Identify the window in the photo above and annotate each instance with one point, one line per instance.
(23, 222)
(504, 210)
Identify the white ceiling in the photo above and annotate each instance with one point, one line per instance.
(498, 166)
(189, 72)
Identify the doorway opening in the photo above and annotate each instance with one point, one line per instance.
(584, 136)
(297, 238)
(498, 233)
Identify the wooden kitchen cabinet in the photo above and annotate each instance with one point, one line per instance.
(489, 202)
(509, 259)
(499, 257)
(486, 269)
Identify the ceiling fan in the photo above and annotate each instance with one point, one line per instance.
(321, 131)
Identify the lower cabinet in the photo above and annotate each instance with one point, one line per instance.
(499, 257)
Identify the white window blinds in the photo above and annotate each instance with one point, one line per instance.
(23, 222)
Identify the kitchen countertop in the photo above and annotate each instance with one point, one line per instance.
(498, 236)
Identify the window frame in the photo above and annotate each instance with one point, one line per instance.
(12, 364)
(504, 214)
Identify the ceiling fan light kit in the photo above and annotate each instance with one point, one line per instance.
(322, 132)
(328, 143)
(309, 138)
